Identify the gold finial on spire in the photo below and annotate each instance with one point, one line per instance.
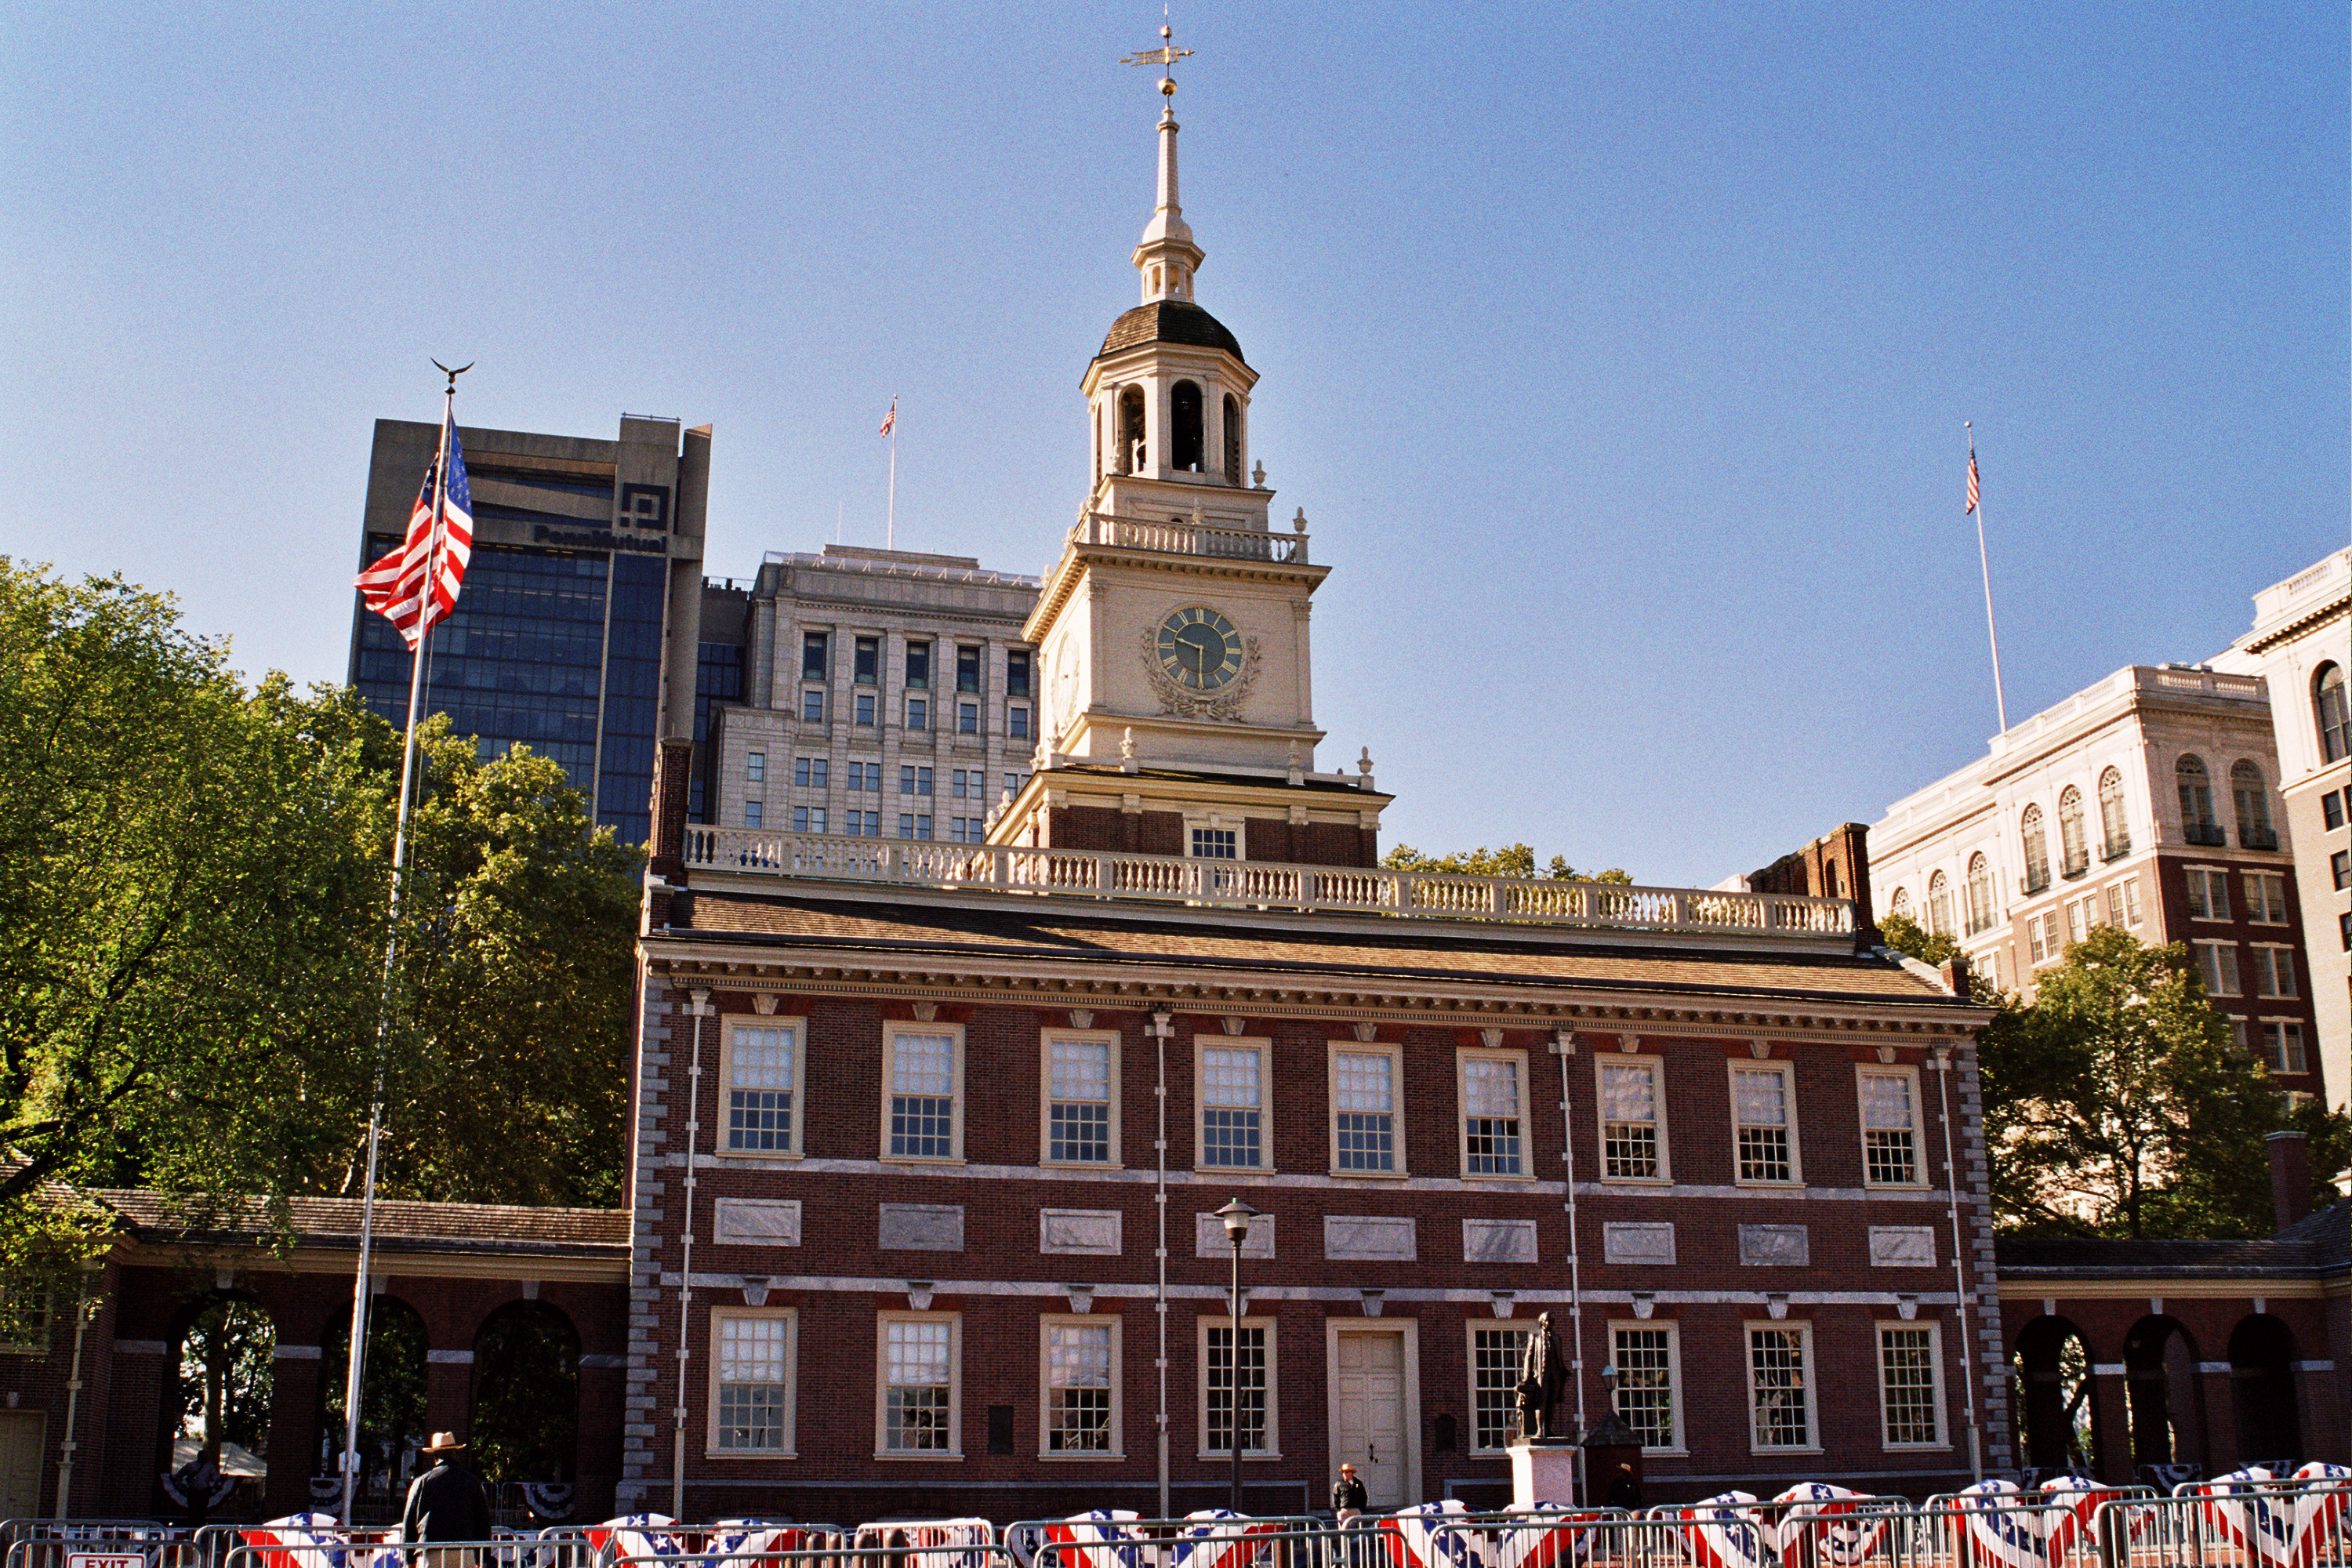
(1165, 56)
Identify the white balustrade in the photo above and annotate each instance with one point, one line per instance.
(1176, 537)
(1257, 884)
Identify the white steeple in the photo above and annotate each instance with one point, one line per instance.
(1166, 254)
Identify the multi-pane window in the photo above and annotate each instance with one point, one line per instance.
(755, 767)
(2274, 971)
(866, 661)
(1016, 722)
(2075, 856)
(967, 830)
(1227, 1388)
(968, 784)
(918, 713)
(752, 1368)
(1632, 1143)
(967, 718)
(967, 667)
(812, 705)
(1890, 1129)
(918, 1385)
(913, 780)
(866, 708)
(1779, 1390)
(2331, 809)
(2217, 965)
(816, 647)
(1363, 1110)
(2037, 945)
(1016, 672)
(912, 825)
(2073, 921)
(1490, 1116)
(2115, 903)
(2131, 901)
(1232, 1106)
(2253, 800)
(1980, 894)
(1760, 1116)
(762, 1085)
(2266, 897)
(1647, 1396)
(1940, 904)
(919, 666)
(863, 824)
(2037, 849)
(2333, 713)
(808, 819)
(755, 814)
(810, 772)
(2282, 1045)
(922, 1096)
(2114, 829)
(2209, 894)
(1079, 1083)
(1907, 1386)
(1215, 843)
(2339, 869)
(1495, 1356)
(2196, 789)
(1081, 1369)
(864, 776)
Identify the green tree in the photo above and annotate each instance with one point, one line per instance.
(1510, 860)
(2117, 1103)
(1906, 935)
(227, 1372)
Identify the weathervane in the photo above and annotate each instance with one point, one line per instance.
(453, 374)
(1165, 54)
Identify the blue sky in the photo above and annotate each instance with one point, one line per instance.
(1618, 353)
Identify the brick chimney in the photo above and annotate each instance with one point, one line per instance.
(2290, 1155)
(665, 856)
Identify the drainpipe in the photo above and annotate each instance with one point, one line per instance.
(1959, 1260)
(699, 1006)
(82, 1315)
(1160, 1027)
(1563, 1045)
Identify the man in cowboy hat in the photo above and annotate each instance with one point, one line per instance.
(445, 1503)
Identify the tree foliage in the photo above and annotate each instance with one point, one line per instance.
(193, 930)
(2117, 1103)
(1906, 935)
(1510, 860)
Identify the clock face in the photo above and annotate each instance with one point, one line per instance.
(1199, 648)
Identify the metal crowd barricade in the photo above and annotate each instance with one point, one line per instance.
(1211, 1538)
(155, 1545)
(2243, 1525)
(989, 1553)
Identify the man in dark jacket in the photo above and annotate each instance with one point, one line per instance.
(1348, 1496)
(445, 1503)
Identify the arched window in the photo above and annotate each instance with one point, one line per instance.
(1980, 894)
(527, 1394)
(1131, 448)
(1184, 427)
(1939, 905)
(1900, 902)
(1829, 879)
(392, 1399)
(2037, 850)
(2335, 715)
(1232, 439)
(2196, 802)
(2253, 803)
(2115, 832)
(2075, 854)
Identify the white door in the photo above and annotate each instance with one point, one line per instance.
(1369, 1379)
(20, 1463)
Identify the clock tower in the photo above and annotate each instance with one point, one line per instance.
(1172, 633)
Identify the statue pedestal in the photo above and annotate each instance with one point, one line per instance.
(1543, 1472)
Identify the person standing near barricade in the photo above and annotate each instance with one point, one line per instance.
(1348, 1496)
(445, 1503)
(197, 1479)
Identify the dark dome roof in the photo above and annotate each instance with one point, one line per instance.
(1169, 321)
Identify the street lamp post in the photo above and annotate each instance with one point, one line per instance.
(1236, 1217)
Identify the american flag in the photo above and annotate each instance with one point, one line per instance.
(1972, 483)
(890, 420)
(396, 587)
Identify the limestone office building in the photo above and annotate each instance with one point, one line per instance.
(929, 1132)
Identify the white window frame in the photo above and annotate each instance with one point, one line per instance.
(1046, 1039)
(1201, 1324)
(1462, 1056)
(2272, 887)
(2225, 966)
(1394, 1051)
(1863, 1072)
(1787, 1070)
(954, 1450)
(728, 1024)
(1657, 1066)
(1934, 1332)
(790, 1319)
(1674, 1374)
(2193, 878)
(1471, 1329)
(1212, 822)
(1264, 1046)
(2302, 1043)
(2281, 962)
(1803, 1330)
(890, 1033)
(1045, 1327)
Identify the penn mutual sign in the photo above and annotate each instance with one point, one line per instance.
(601, 539)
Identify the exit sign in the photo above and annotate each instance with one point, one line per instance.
(105, 1560)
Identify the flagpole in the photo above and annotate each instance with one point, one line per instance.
(893, 526)
(356, 1351)
(1976, 505)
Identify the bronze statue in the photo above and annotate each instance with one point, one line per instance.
(1543, 1373)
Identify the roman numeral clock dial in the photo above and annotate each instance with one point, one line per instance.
(1198, 648)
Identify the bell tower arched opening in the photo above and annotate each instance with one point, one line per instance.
(1233, 411)
(1131, 448)
(1184, 435)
